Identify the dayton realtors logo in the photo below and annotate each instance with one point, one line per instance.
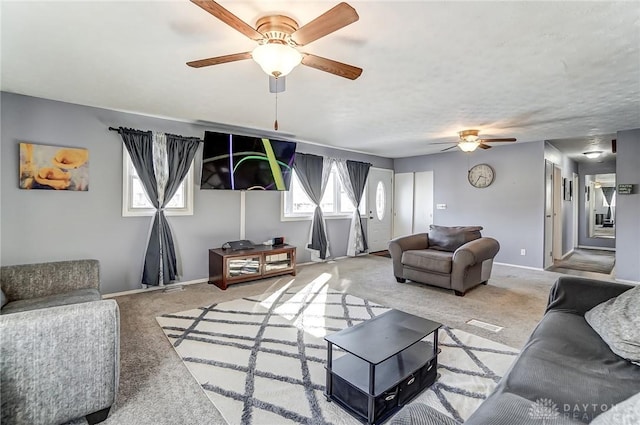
(545, 410)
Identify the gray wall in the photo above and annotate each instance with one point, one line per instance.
(586, 168)
(510, 210)
(41, 225)
(628, 206)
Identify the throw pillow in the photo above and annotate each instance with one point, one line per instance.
(449, 239)
(3, 298)
(625, 413)
(617, 321)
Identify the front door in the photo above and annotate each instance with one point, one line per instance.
(379, 196)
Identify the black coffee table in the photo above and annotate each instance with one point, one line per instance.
(386, 361)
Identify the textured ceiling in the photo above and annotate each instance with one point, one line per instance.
(530, 70)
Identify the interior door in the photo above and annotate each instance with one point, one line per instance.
(379, 201)
(403, 204)
(422, 201)
(548, 214)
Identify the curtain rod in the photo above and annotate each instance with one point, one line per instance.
(142, 132)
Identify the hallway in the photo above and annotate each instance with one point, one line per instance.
(592, 263)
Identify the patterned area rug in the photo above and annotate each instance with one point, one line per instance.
(261, 360)
(588, 260)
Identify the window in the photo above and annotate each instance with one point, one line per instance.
(135, 201)
(335, 203)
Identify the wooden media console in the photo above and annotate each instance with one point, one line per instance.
(227, 267)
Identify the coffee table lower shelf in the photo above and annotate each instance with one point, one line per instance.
(396, 382)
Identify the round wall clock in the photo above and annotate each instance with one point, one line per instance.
(481, 175)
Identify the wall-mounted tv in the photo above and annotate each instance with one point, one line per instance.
(236, 162)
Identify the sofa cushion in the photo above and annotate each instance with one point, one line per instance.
(451, 238)
(428, 259)
(566, 362)
(617, 321)
(72, 297)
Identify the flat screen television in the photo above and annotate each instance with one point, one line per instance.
(235, 162)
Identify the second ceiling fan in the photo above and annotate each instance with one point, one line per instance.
(278, 38)
(470, 141)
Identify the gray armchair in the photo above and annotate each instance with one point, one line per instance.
(457, 258)
(59, 344)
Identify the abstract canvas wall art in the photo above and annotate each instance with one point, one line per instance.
(53, 167)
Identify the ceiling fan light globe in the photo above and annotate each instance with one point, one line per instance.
(468, 146)
(593, 154)
(276, 59)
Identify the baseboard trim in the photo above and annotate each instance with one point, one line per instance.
(189, 282)
(153, 288)
(519, 266)
(630, 282)
(597, 248)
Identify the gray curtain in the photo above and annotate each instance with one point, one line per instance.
(353, 175)
(608, 196)
(312, 173)
(162, 162)
(358, 174)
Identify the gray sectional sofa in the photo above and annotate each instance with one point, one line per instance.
(565, 374)
(59, 344)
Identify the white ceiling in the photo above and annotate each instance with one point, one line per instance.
(530, 70)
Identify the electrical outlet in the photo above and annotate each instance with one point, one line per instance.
(523, 251)
(441, 206)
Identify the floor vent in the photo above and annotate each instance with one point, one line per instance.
(485, 325)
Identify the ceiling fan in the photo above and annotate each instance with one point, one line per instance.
(470, 141)
(279, 37)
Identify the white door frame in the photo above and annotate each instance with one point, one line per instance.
(557, 213)
(575, 202)
(547, 257)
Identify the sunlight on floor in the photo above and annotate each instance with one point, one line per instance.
(306, 307)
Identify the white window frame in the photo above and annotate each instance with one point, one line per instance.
(287, 200)
(127, 192)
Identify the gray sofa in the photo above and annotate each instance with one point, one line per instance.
(457, 258)
(59, 344)
(564, 365)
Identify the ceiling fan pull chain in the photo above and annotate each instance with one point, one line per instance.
(275, 123)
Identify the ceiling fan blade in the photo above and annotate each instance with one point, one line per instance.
(334, 67)
(219, 59)
(332, 20)
(498, 140)
(229, 18)
(449, 148)
(483, 146)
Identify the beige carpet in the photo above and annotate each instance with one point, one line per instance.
(261, 360)
(156, 388)
(588, 260)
